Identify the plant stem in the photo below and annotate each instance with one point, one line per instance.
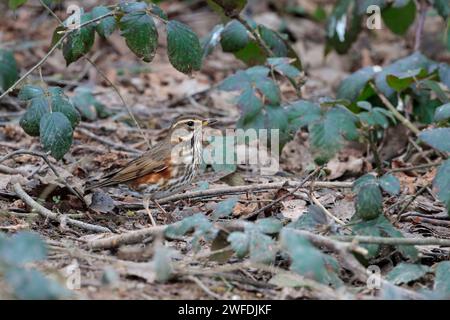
(394, 111)
(256, 35)
(49, 53)
(394, 241)
(423, 8)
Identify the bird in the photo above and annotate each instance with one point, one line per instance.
(165, 169)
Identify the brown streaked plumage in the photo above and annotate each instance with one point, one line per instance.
(167, 167)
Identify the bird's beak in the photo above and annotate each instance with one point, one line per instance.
(209, 121)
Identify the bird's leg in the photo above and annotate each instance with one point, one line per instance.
(146, 203)
(167, 215)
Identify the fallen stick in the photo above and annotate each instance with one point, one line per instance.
(44, 212)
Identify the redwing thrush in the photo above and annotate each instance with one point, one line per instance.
(167, 168)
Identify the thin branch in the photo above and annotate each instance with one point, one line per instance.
(104, 76)
(423, 8)
(418, 167)
(49, 53)
(50, 165)
(44, 212)
(204, 287)
(278, 200)
(325, 210)
(394, 111)
(256, 35)
(51, 12)
(395, 241)
(108, 142)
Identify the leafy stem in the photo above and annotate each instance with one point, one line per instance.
(256, 35)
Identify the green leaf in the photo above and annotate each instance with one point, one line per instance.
(22, 248)
(274, 41)
(88, 105)
(158, 11)
(438, 138)
(352, 86)
(14, 4)
(406, 272)
(38, 105)
(343, 26)
(269, 225)
(184, 50)
(140, 33)
(314, 218)
(252, 54)
(162, 263)
(442, 113)
(224, 208)
(231, 8)
(301, 113)
(442, 183)
(412, 62)
(444, 74)
(390, 184)
(327, 134)
(56, 134)
(283, 66)
(239, 242)
(391, 16)
(79, 42)
(436, 88)
(269, 89)
(403, 80)
(107, 25)
(129, 7)
(262, 248)
(211, 40)
(249, 103)
(369, 201)
(234, 37)
(442, 7)
(9, 72)
(33, 285)
(308, 261)
(441, 280)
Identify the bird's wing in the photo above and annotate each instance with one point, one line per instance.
(152, 161)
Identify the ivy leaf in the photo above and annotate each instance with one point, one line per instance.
(56, 134)
(184, 50)
(239, 242)
(442, 113)
(390, 184)
(107, 25)
(234, 37)
(21, 248)
(224, 208)
(140, 33)
(442, 184)
(391, 16)
(9, 72)
(406, 272)
(438, 138)
(79, 42)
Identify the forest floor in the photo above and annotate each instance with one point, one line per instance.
(157, 93)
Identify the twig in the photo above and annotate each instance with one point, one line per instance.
(261, 187)
(325, 210)
(108, 142)
(204, 287)
(126, 238)
(8, 170)
(423, 8)
(44, 212)
(50, 165)
(51, 12)
(144, 136)
(394, 241)
(274, 202)
(407, 204)
(394, 111)
(418, 167)
(49, 53)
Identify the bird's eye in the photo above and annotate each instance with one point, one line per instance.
(190, 123)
